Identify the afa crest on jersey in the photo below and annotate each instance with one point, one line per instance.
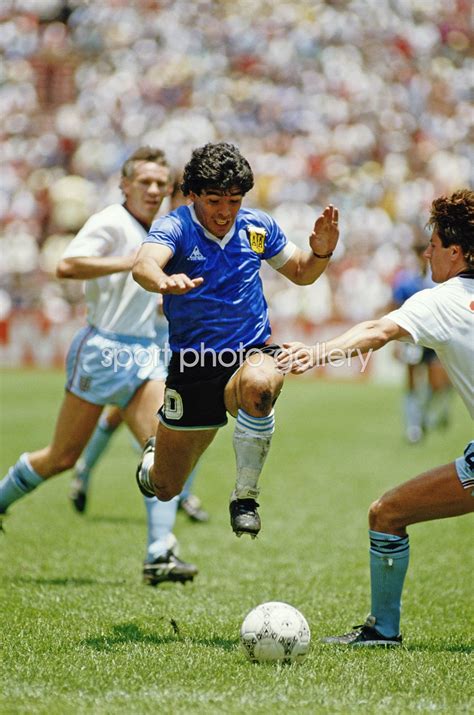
(257, 236)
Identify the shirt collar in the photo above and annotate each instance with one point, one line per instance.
(222, 242)
(146, 226)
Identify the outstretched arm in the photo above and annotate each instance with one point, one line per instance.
(362, 338)
(304, 267)
(87, 267)
(148, 272)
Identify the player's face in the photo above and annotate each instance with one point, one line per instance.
(217, 211)
(146, 189)
(437, 255)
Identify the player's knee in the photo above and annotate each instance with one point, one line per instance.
(382, 514)
(373, 514)
(260, 393)
(165, 492)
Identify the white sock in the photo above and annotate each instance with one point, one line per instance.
(252, 438)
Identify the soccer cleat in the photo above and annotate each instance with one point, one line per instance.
(78, 495)
(364, 635)
(191, 505)
(168, 568)
(142, 469)
(244, 517)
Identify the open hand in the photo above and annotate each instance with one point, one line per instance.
(178, 284)
(295, 358)
(325, 235)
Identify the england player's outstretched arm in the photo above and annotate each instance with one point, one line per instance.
(304, 267)
(361, 338)
(86, 267)
(148, 272)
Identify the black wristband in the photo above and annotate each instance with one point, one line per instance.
(326, 255)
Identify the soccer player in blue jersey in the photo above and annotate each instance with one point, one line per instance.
(205, 260)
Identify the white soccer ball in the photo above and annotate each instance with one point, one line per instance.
(275, 631)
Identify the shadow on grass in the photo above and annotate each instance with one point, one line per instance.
(222, 643)
(126, 633)
(41, 581)
(413, 647)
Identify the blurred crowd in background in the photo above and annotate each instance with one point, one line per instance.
(361, 103)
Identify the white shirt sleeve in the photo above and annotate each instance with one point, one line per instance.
(420, 316)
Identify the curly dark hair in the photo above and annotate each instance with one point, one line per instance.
(144, 153)
(453, 220)
(220, 167)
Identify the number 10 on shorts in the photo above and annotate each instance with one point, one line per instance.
(173, 407)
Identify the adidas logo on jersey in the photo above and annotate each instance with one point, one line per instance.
(196, 255)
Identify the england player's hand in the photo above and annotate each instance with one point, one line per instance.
(296, 358)
(325, 235)
(178, 284)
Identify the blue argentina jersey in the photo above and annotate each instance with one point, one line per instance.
(228, 310)
(407, 284)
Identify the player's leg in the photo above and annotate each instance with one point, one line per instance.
(249, 396)
(436, 494)
(161, 561)
(75, 423)
(109, 421)
(166, 464)
(139, 413)
(163, 472)
(412, 405)
(440, 493)
(140, 416)
(192, 412)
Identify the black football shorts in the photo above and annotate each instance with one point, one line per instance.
(194, 393)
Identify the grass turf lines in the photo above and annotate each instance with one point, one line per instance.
(81, 634)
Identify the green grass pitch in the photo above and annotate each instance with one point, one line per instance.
(81, 634)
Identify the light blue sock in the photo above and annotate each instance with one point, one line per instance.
(20, 480)
(413, 411)
(188, 485)
(389, 556)
(161, 516)
(94, 450)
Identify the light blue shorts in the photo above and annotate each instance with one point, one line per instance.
(465, 467)
(107, 368)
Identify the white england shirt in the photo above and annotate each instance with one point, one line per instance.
(115, 303)
(442, 318)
